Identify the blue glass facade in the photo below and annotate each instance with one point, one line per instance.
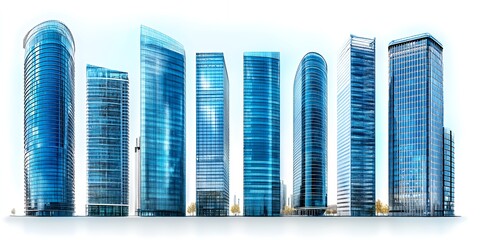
(107, 142)
(261, 133)
(162, 119)
(448, 173)
(310, 136)
(212, 135)
(49, 75)
(356, 128)
(416, 126)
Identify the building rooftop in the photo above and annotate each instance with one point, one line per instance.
(262, 54)
(413, 38)
(49, 26)
(151, 35)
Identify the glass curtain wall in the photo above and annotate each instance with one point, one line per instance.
(416, 126)
(310, 136)
(49, 88)
(107, 142)
(261, 133)
(212, 135)
(162, 129)
(356, 128)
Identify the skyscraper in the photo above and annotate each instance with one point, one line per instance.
(416, 126)
(138, 175)
(162, 119)
(310, 136)
(261, 133)
(283, 196)
(107, 142)
(49, 74)
(212, 135)
(356, 128)
(448, 173)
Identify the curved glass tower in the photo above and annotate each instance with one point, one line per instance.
(261, 133)
(310, 136)
(212, 135)
(415, 126)
(107, 142)
(49, 120)
(162, 119)
(356, 128)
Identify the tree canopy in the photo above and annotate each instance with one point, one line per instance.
(191, 209)
(288, 210)
(381, 208)
(235, 209)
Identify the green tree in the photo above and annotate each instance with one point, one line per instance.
(235, 209)
(191, 209)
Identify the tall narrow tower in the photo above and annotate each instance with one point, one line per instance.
(107, 142)
(416, 126)
(261, 133)
(356, 128)
(162, 129)
(310, 136)
(212, 135)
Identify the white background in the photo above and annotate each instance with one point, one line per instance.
(107, 35)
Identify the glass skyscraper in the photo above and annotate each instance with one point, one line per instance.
(138, 175)
(212, 135)
(310, 136)
(107, 142)
(448, 173)
(162, 119)
(416, 126)
(283, 196)
(49, 74)
(356, 128)
(261, 133)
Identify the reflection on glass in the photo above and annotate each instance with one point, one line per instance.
(162, 125)
(212, 135)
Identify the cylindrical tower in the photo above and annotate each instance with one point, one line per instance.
(49, 120)
(310, 136)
